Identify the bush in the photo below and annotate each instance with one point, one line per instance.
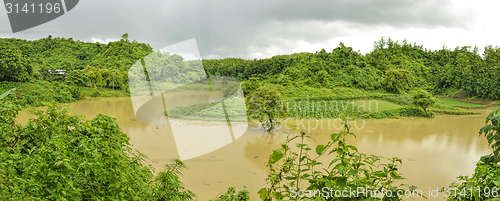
(423, 99)
(57, 156)
(61, 157)
(398, 80)
(267, 105)
(167, 185)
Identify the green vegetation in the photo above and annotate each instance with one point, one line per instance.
(31, 66)
(398, 80)
(37, 92)
(267, 105)
(14, 66)
(403, 99)
(213, 112)
(349, 169)
(60, 157)
(342, 74)
(438, 72)
(231, 195)
(453, 102)
(323, 109)
(423, 99)
(56, 156)
(376, 105)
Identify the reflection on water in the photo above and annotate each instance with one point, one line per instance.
(434, 151)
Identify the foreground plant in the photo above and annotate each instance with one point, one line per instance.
(297, 175)
(167, 185)
(56, 156)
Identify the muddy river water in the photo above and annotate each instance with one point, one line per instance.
(434, 151)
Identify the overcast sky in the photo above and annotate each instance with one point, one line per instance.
(259, 29)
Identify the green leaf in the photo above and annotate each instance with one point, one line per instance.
(276, 156)
(341, 181)
(497, 181)
(351, 172)
(335, 137)
(263, 193)
(352, 147)
(341, 168)
(320, 149)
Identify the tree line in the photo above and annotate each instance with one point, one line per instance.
(391, 66)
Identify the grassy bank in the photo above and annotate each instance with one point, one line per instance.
(303, 102)
(37, 92)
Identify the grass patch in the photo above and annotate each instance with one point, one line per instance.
(37, 92)
(235, 107)
(453, 102)
(451, 110)
(336, 93)
(103, 92)
(404, 99)
(376, 105)
(397, 113)
(323, 109)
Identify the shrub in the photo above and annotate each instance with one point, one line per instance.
(167, 185)
(423, 99)
(56, 156)
(61, 157)
(267, 105)
(398, 80)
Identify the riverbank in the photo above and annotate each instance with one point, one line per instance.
(35, 93)
(303, 102)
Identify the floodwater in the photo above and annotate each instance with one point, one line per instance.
(434, 151)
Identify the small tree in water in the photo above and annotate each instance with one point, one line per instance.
(423, 99)
(267, 105)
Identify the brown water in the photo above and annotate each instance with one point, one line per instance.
(434, 151)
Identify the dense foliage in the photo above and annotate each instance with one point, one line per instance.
(391, 66)
(267, 105)
(423, 99)
(14, 66)
(56, 156)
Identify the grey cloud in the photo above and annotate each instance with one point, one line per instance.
(228, 27)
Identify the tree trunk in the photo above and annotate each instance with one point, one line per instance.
(270, 128)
